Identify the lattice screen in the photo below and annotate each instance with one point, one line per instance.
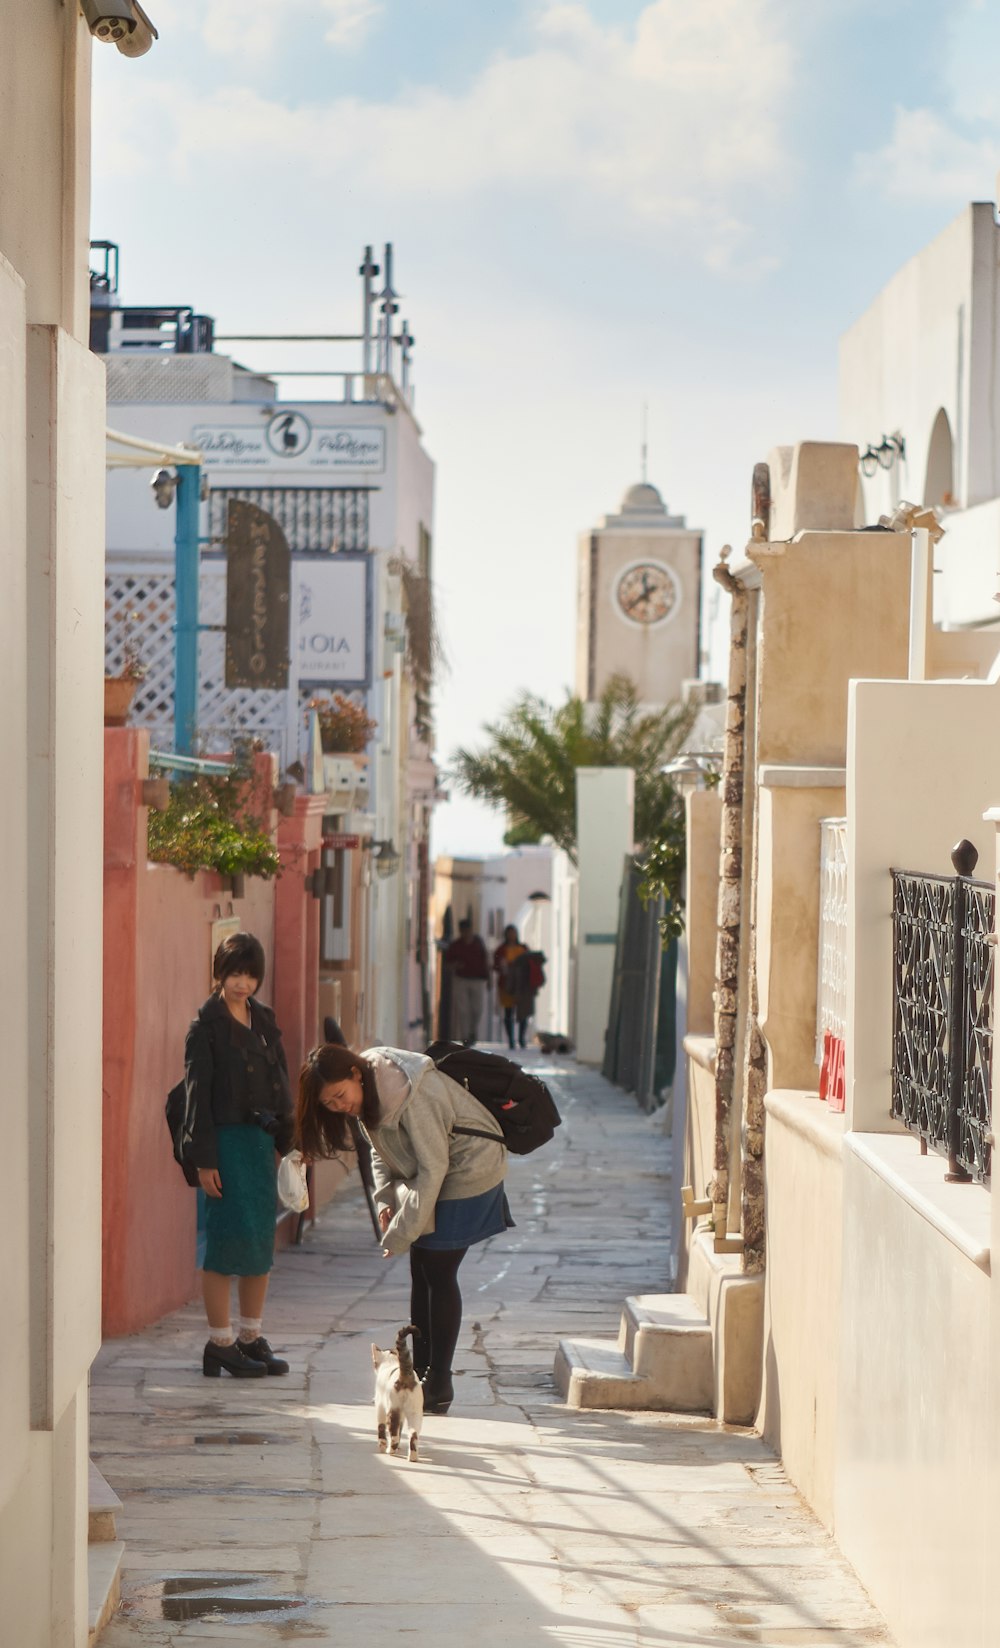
(140, 604)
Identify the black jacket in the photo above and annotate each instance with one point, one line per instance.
(230, 1073)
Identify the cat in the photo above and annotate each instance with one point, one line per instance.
(399, 1394)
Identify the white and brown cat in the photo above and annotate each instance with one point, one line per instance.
(399, 1394)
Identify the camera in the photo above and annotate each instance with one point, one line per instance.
(121, 23)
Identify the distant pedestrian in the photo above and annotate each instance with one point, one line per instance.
(470, 971)
(517, 1000)
(439, 1189)
(239, 1110)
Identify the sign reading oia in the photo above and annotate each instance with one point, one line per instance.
(330, 619)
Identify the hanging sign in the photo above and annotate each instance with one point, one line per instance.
(331, 642)
(257, 591)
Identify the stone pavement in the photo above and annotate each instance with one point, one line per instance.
(259, 1512)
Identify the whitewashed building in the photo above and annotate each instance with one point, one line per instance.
(351, 485)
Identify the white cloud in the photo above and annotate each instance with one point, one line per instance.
(238, 30)
(352, 20)
(928, 159)
(675, 122)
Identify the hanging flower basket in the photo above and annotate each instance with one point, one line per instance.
(119, 691)
(344, 726)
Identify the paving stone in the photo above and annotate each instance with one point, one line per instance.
(521, 1525)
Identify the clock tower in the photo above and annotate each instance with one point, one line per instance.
(639, 593)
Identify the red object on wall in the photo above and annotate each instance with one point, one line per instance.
(832, 1085)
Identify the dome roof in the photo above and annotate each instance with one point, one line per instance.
(643, 499)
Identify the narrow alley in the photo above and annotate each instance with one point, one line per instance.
(260, 1512)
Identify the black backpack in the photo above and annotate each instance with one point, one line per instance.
(180, 1137)
(521, 1104)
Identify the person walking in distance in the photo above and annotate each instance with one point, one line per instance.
(466, 956)
(439, 1189)
(239, 1112)
(516, 1002)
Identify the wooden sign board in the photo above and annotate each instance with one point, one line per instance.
(257, 594)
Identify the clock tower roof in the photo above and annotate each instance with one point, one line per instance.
(643, 508)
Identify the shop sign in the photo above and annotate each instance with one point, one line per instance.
(290, 441)
(257, 589)
(331, 619)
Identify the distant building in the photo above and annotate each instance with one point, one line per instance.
(351, 487)
(639, 599)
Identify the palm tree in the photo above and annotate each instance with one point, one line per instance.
(528, 767)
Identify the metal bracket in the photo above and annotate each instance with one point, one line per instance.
(693, 1208)
(731, 1243)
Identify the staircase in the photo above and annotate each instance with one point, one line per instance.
(104, 1552)
(694, 1352)
(663, 1359)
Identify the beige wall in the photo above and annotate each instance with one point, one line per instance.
(925, 766)
(788, 919)
(914, 1413)
(837, 607)
(51, 668)
(798, 1411)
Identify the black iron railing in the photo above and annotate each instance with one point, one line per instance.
(942, 1034)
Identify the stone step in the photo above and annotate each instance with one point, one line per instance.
(666, 1339)
(104, 1564)
(103, 1506)
(593, 1373)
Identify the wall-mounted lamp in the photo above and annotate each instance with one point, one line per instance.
(164, 485)
(884, 455)
(385, 856)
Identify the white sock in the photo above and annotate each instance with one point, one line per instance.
(222, 1336)
(250, 1327)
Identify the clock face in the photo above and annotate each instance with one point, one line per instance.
(647, 592)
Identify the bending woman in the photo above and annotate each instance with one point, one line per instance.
(240, 1112)
(438, 1189)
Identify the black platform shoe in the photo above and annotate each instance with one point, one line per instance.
(439, 1392)
(231, 1358)
(260, 1351)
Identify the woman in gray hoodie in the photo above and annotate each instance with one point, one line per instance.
(438, 1189)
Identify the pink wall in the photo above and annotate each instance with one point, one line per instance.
(157, 972)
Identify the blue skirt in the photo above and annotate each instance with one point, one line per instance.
(468, 1220)
(239, 1229)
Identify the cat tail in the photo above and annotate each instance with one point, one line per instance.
(402, 1350)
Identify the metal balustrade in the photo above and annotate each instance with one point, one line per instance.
(942, 1033)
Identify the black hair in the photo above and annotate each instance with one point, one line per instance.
(321, 1132)
(239, 953)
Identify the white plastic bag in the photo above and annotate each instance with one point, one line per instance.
(292, 1188)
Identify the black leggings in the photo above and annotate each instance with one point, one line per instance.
(435, 1306)
(509, 1014)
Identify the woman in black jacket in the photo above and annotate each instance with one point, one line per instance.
(239, 1111)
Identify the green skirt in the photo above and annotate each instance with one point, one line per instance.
(239, 1229)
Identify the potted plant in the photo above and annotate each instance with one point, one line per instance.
(119, 690)
(345, 726)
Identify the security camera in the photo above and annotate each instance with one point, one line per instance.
(108, 20)
(121, 23)
(140, 41)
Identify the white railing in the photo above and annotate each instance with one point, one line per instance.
(831, 988)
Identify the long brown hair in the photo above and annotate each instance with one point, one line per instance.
(321, 1132)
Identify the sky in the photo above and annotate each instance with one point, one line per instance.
(594, 205)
